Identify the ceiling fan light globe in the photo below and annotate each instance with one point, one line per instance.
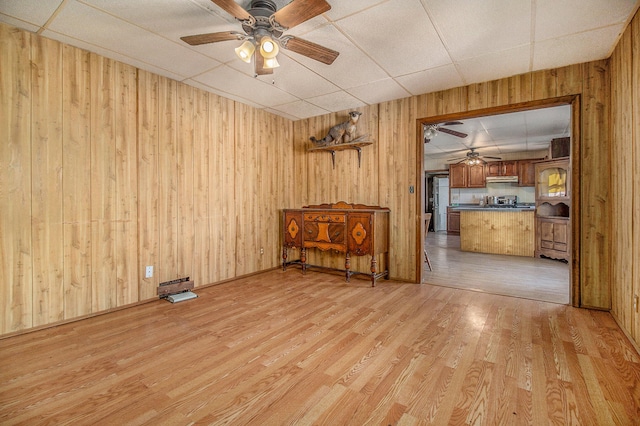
(270, 63)
(245, 51)
(430, 133)
(268, 47)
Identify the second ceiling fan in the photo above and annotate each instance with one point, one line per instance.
(431, 130)
(472, 157)
(264, 28)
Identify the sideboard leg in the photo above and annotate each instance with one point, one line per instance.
(374, 264)
(284, 258)
(386, 265)
(347, 266)
(303, 260)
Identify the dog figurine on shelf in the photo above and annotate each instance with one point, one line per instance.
(340, 133)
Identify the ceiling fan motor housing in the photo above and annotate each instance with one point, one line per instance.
(264, 8)
(261, 10)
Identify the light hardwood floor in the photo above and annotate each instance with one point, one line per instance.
(532, 278)
(281, 348)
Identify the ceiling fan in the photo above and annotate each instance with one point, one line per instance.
(264, 28)
(431, 130)
(472, 158)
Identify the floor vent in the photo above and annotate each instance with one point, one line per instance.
(181, 297)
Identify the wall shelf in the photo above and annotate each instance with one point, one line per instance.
(341, 147)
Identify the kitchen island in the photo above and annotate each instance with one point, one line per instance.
(509, 231)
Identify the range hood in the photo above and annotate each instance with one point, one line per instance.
(502, 179)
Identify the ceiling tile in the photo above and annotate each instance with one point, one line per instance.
(258, 90)
(14, 22)
(379, 91)
(112, 55)
(499, 121)
(35, 12)
(472, 28)
(431, 80)
(352, 68)
(559, 18)
(297, 79)
(398, 35)
(341, 9)
(223, 94)
(171, 18)
(495, 65)
(83, 22)
(337, 101)
(300, 109)
(576, 48)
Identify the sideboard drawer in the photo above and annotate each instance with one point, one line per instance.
(325, 217)
(324, 235)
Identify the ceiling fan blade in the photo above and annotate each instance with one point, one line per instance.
(195, 40)
(309, 49)
(493, 158)
(233, 8)
(452, 132)
(299, 11)
(451, 123)
(259, 65)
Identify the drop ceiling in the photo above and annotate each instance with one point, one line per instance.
(502, 134)
(388, 49)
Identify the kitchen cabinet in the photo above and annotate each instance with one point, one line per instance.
(526, 173)
(502, 168)
(553, 181)
(552, 236)
(553, 205)
(477, 178)
(465, 176)
(453, 222)
(458, 175)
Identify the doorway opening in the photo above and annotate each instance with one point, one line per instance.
(544, 279)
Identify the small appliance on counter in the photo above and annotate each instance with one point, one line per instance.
(502, 201)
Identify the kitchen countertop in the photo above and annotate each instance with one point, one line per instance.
(487, 208)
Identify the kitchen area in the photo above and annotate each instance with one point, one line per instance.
(506, 203)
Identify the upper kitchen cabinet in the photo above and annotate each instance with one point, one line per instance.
(526, 173)
(502, 168)
(464, 176)
(553, 182)
(458, 175)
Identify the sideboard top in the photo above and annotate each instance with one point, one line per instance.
(341, 205)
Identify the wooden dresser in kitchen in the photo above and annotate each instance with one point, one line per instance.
(352, 229)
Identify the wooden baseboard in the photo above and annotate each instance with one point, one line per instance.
(627, 335)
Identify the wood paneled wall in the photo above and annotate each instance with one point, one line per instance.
(105, 169)
(625, 180)
(393, 162)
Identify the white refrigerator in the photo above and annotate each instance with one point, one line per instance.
(440, 203)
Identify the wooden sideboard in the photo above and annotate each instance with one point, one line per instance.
(352, 229)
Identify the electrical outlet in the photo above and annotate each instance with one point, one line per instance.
(148, 272)
(261, 250)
